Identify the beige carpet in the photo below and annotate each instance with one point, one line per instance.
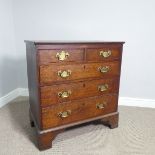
(135, 135)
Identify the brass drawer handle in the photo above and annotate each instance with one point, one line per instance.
(62, 55)
(101, 105)
(64, 114)
(64, 94)
(64, 74)
(103, 87)
(105, 54)
(104, 69)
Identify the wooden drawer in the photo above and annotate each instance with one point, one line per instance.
(103, 54)
(57, 73)
(77, 110)
(59, 55)
(65, 92)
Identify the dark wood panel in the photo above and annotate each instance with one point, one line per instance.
(53, 71)
(57, 45)
(65, 92)
(49, 73)
(74, 42)
(33, 84)
(46, 136)
(78, 110)
(49, 56)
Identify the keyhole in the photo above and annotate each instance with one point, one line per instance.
(84, 85)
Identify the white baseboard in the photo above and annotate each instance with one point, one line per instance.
(12, 95)
(126, 101)
(23, 92)
(137, 102)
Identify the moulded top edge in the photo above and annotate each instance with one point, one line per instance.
(40, 42)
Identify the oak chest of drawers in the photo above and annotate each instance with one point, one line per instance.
(72, 83)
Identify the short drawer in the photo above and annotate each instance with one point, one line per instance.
(55, 94)
(56, 73)
(78, 110)
(56, 55)
(103, 54)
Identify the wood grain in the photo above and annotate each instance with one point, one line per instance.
(61, 45)
(44, 84)
(49, 56)
(93, 54)
(33, 84)
(49, 94)
(80, 110)
(49, 73)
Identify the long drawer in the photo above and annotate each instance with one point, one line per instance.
(56, 73)
(59, 93)
(77, 110)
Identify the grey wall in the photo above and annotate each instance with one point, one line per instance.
(122, 20)
(8, 54)
(131, 21)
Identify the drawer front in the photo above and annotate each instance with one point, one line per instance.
(57, 73)
(65, 55)
(78, 110)
(65, 92)
(103, 54)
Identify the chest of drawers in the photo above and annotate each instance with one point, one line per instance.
(71, 83)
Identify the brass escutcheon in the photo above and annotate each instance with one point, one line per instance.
(104, 69)
(105, 54)
(101, 105)
(64, 94)
(64, 114)
(103, 87)
(64, 74)
(62, 55)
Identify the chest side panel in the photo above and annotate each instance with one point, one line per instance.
(32, 73)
